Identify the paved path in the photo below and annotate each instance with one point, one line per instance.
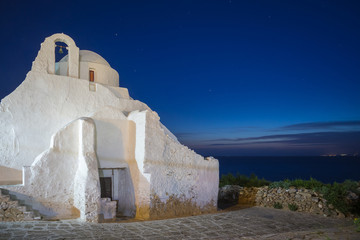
(251, 223)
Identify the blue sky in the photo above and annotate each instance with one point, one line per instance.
(226, 77)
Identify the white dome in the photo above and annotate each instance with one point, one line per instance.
(88, 56)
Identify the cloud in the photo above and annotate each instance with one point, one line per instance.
(314, 138)
(316, 143)
(310, 138)
(322, 125)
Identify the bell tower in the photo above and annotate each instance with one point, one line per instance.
(45, 60)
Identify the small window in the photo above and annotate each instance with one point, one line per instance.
(91, 76)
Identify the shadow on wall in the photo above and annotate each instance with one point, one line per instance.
(10, 176)
(114, 150)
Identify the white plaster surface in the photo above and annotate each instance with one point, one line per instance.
(103, 73)
(41, 105)
(176, 170)
(63, 181)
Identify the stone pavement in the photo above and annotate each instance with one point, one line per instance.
(250, 223)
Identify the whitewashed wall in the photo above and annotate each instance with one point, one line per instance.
(103, 74)
(63, 181)
(154, 171)
(44, 103)
(179, 176)
(45, 60)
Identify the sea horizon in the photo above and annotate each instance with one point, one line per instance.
(327, 169)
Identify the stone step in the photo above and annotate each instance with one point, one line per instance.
(37, 216)
(22, 208)
(29, 215)
(5, 198)
(13, 203)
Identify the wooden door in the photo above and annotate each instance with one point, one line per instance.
(91, 76)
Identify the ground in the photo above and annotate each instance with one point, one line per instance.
(250, 223)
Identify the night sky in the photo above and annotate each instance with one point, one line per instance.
(227, 77)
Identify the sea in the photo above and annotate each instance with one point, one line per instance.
(323, 168)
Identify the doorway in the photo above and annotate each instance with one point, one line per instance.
(106, 187)
(116, 184)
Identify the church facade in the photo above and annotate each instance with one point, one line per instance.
(73, 144)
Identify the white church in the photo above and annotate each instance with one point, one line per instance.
(73, 144)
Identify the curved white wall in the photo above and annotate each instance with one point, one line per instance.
(103, 74)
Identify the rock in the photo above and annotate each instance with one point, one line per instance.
(352, 196)
(315, 199)
(292, 190)
(15, 211)
(305, 194)
(229, 194)
(331, 206)
(340, 214)
(4, 205)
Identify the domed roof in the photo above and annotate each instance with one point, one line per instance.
(88, 56)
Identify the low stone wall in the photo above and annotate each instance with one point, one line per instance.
(304, 199)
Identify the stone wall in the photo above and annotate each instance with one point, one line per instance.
(306, 200)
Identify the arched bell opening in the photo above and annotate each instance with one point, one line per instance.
(46, 58)
(61, 59)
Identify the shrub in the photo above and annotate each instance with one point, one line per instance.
(335, 194)
(357, 224)
(228, 179)
(308, 184)
(243, 180)
(298, 183)
(278, 205)
(351, 186)
(280, 184)
(293, 207)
